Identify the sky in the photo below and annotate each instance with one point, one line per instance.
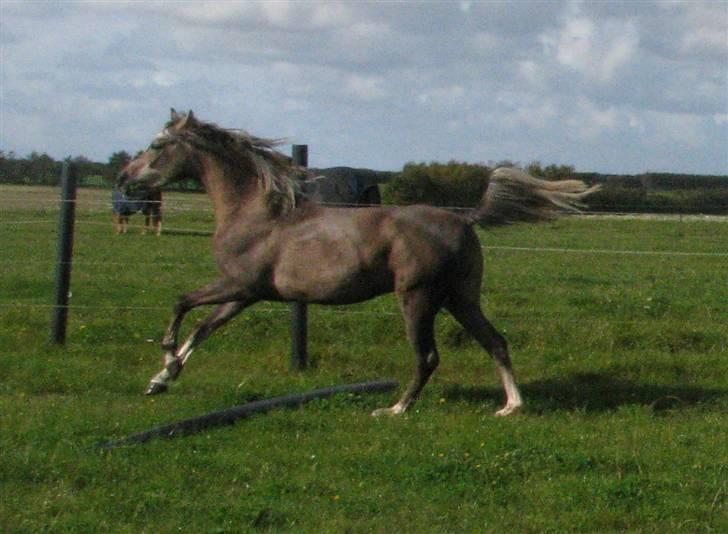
(611, 87)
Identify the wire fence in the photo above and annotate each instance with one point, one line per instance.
(284, 310)
(200, 202)
(19, 205)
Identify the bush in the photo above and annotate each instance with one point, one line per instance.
(440, 184)
(618, 199)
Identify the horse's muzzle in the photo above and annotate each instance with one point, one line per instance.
(125, 184)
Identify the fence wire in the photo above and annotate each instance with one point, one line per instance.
(202, 203)
(94, 207)
(552, 317)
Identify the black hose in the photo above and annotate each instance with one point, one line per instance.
(230, 415)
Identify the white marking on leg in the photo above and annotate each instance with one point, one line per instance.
(172, 368)
(163, 377)
(397, 409)
(513, 395)
(185, 352)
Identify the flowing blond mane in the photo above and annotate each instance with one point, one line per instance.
(275, 172)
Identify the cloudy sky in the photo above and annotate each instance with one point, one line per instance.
(604, 86)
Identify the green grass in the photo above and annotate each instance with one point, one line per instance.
(622, 359)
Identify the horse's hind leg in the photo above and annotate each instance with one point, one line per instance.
(419, 315)
(473, 320)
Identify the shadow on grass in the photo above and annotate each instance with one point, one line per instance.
(593, 392)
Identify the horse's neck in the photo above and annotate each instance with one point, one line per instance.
(232, 198)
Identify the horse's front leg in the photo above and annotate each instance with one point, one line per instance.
(172, 366)
(222, 291)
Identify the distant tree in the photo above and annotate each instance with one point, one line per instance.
(7, 167)
(42, 169)
(551, 172)
(117, 161)
(503, 163)
(442, 184)
(89, 173)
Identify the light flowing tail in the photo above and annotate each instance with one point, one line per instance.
(515, 196)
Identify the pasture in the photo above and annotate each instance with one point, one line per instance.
(621, 354)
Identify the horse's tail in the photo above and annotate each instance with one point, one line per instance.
(515, 196)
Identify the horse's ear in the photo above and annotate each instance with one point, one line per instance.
(188, 120)
(174, 116)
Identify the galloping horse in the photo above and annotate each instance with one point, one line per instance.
(148, 202)
(270, 243)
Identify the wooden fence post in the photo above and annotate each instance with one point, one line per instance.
(299, 310)
(65, 253)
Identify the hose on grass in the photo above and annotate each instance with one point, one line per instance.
(229, 416)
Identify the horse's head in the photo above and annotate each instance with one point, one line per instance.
(168, 159)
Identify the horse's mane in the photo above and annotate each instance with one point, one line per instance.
(276, 173)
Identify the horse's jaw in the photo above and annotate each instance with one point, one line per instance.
(145, 181)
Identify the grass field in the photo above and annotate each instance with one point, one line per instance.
(622, 358)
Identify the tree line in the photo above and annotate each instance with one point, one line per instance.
(462, 184)
(454, 183)
(41, 169)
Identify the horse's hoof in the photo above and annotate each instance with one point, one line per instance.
(508, 410)
(394, 410)
(155, 388)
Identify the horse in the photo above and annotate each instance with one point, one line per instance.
(268, 236)
(148, 202)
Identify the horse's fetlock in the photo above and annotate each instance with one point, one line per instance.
(433, 360)
(173, 368)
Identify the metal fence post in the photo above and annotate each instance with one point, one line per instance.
(65, 253)
(299, 310)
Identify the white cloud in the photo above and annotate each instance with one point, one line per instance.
(706, 27)
(597, 49)
(591, 121)
(442, 96)
(677, 131)
(211, 13)
(366, 88)
(484, 43)
(532, 72)
(521, 110)
(642, 82)
(259, 14)
(164, 78)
